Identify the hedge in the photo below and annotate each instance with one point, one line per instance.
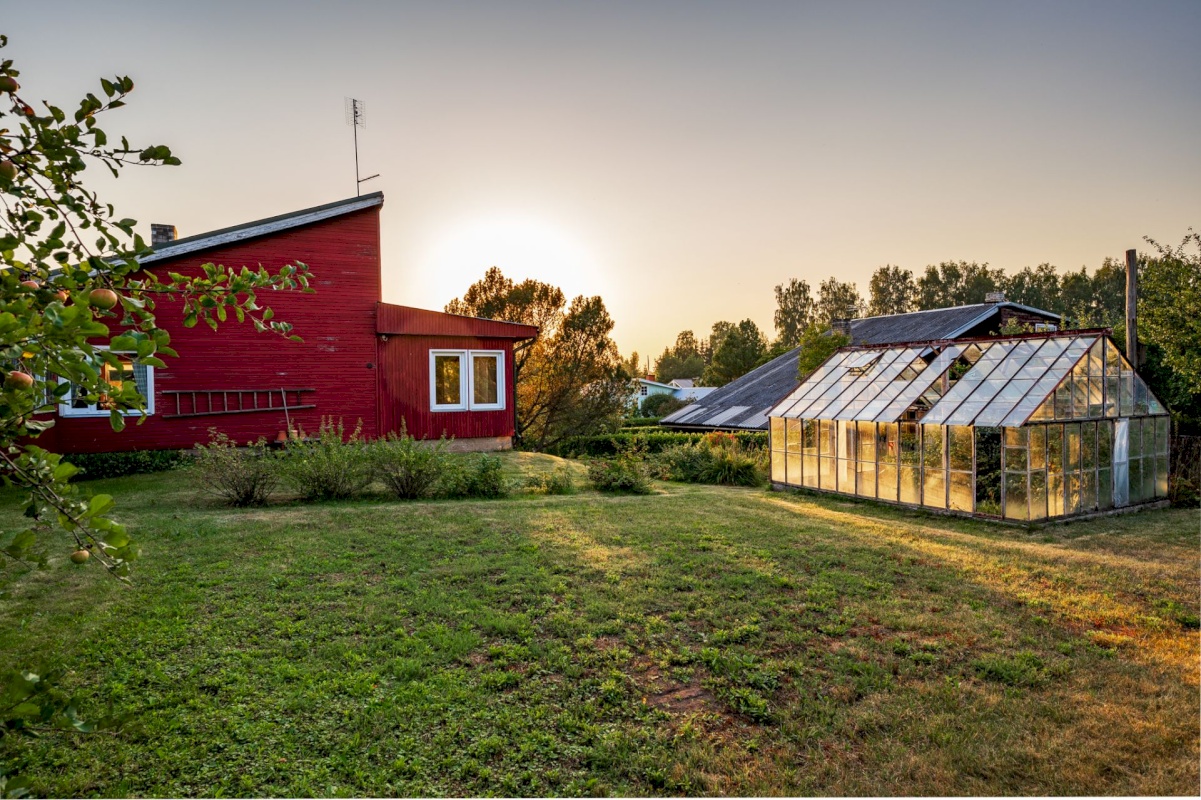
(610, 444)
(639, 422)
(94, 466)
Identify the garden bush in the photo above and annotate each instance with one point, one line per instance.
(329, 466)
(558, 482)
(474, 476)
(93, 466)
(627, 471)
(719, 458)
(639, 422)
(653, 442)
(660, 405)
(410, 469)
(239, 476)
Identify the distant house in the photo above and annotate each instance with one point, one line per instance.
(680, 388)
(387, 366)
(743, 404)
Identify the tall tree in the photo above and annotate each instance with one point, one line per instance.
(716, 335)
(956, 283)
(1039, 287)
(737, 353)
(893, 291)
(683, 360)
(1169, 307)
(794, 311)
(571, 380)
(837, 300)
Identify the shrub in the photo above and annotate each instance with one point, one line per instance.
(660, 405)
(239, 476)
(93, 466)
(473, 476)
(653, 442)
(625, 472)
(717, 459)
(560, 481)
(329, 466)
(410, 469)
(639, 422)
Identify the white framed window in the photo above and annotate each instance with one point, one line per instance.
(642, 390)
(75, 403)
(462, 380)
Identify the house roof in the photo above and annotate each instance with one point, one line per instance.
(649, 382)
(1005, 381)
(397, 320)
(937, 323)
(262, 227)
(744, 403)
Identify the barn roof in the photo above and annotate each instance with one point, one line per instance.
(262, 227)
(984, 382)
(744, 403)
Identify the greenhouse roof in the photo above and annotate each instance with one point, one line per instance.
(985, 382)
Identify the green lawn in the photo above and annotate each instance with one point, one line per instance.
(700, 640)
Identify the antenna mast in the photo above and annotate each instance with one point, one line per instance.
(356, 117)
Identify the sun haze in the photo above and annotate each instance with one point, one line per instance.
(680, 159)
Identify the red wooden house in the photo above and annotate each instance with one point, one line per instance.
(364, 360)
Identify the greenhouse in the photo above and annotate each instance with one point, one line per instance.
(1021, 428)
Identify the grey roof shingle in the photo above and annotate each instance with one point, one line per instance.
(761, 388)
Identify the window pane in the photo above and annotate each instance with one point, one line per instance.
(934, 493)
(1104, 444)
(887, 482)
(809, 437)
(1105, 488)
(1162, 431)
(1054, 495)
(794, 469)
(886, 443)
(959, 447)
(866, 486)
(777, 433)
(910, 485)
(867, 440)
(1038, 447)
(1088, 446)
(1088, 491)
(485, 373)
(962, 492)
(446, 381)
(794, 436)
(932, 446)
(777, 466)
(1038, 494)
(1016, 501)
(809, 469)
(1161, 476)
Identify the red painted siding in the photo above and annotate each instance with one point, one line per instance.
(337, 357)
(405, 389)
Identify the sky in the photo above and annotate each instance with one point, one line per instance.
(679, 159)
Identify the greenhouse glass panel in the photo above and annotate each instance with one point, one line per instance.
(794, 469)
(1038, 494)
(777, 467)
(941, 363)
(962, 493)
(967, 383)
(1162, 434)
(1105, 488)
(777, 433)
(910, 485)
(1161, 476)
(934, 488)
(1088, 491)
(1038, 446)
(1088, 445)
(887, 477)
(959, 447)
(1017, 505)
(793, 436)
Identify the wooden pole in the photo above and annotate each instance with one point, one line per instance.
(1131, 303)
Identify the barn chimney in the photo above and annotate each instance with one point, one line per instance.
(1131, 305)
(161, 234)
(841, 325)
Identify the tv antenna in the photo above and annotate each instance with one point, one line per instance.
(356, 117)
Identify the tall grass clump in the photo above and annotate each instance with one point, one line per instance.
(411, 470)
(329, 466)
(238, 476)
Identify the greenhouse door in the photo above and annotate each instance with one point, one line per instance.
(1121, 463)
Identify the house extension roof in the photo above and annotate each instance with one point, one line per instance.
(1003, 381)
(395, 320)
(262, 227)
(744, 403)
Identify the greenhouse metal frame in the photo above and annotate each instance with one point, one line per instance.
(1021, 428)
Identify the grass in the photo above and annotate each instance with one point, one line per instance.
(701, 640)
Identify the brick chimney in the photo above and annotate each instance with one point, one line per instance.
(161, 234)
(841, 325)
